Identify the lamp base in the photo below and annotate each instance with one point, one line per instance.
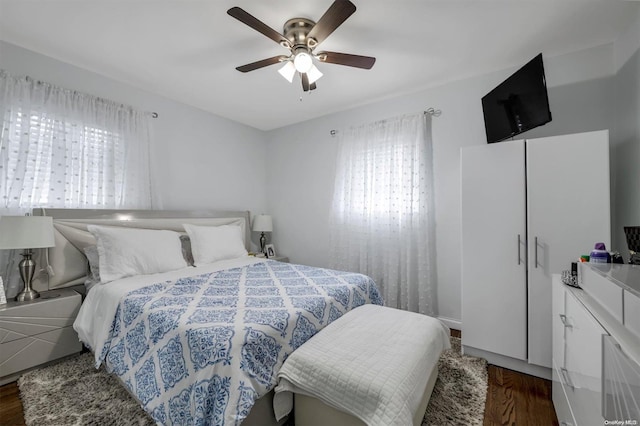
(27, 295)
(27, 268)
(263, 242)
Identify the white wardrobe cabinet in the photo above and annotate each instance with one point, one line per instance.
(494, 249)
(529, 208)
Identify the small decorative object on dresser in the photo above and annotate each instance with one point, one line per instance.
(262, 223)
(28, 233)
(271, 251)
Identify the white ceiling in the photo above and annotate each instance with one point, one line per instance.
(188, 50)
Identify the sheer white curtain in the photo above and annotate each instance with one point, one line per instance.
(382, 219)
(66, 149)
(61, 148)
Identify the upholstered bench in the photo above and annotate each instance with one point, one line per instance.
(374, 366)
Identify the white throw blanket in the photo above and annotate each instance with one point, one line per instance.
(373, 363)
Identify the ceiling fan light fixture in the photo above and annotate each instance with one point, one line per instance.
(303, 61)
(288, 71)
(301, 36)
(314, 74)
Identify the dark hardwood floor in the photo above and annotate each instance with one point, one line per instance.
(10, 405)
(515, 398)
(512, 399)
(518, 399)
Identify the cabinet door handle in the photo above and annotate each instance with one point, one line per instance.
(566, 424)
(565, 376)
(563, 318)
(518, 249)
(535, 261)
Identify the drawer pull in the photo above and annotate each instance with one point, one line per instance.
(565, 376)
(563, 318)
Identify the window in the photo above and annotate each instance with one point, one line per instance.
(382, 220)
(61, 148)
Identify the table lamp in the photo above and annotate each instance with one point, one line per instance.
(262, 223)
(28, 233)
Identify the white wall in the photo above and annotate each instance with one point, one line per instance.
(301, 157)
(625, 139)
(199, 160)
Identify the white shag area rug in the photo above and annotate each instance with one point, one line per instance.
(73, 392)
(460, 392)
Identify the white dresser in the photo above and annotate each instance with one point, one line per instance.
(596, 346)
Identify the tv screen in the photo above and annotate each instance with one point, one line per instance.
(518, 104)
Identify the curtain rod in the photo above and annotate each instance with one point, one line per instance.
(431, 111)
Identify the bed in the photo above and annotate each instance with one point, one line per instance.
(198, 344)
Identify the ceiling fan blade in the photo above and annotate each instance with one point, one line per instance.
(258, 25)
(347, 59)
(261, 64)
(305, 82)
(337, 13)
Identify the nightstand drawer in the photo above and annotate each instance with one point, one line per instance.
(38, 331)
(53, 311)
(29, 352)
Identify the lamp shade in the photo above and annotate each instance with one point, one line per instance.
(288, 71)
(314, 74)
(26, 232)
(262, 223)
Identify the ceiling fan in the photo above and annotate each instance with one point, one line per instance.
(301, 37)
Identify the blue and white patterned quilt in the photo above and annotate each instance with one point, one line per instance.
(201, 350)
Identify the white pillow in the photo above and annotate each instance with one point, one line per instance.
(124, 252)
(212, 243)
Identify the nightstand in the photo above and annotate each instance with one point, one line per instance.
(36, 332)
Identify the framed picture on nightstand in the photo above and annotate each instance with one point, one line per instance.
(3, 295)
(271, 251)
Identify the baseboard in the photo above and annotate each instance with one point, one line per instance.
(451, 323)
(508, 362)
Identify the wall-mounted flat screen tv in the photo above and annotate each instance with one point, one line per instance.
(518, 104)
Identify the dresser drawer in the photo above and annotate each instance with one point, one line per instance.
(608, 294)
(582, 375)
(632, 312)
(560, 401)
(558, 319)
(621, 383)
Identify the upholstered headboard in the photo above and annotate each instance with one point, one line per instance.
(67, 262)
